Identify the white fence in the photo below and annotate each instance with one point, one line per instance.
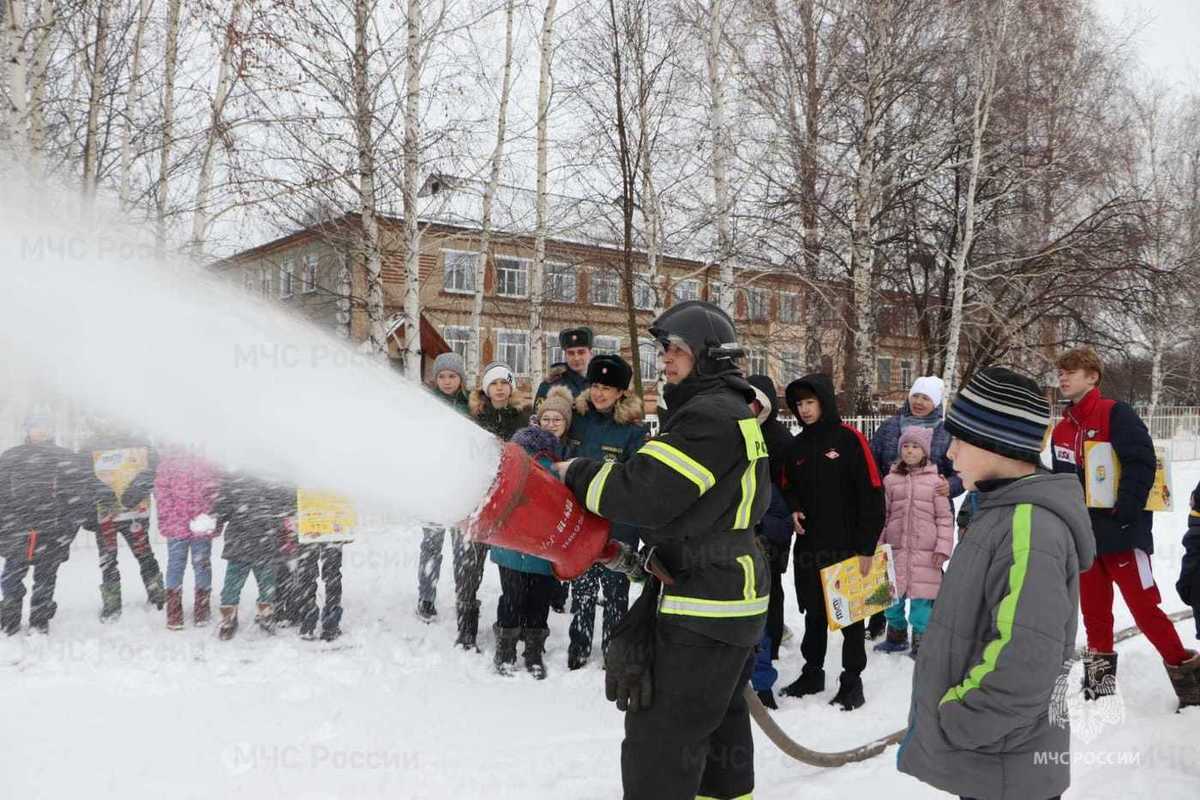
(1176, 428)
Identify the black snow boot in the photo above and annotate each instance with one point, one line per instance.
(535, 648)
(331, 623)
(506, 649)
(426, 611)
(850, 692)
(110, 598)
(156, 595)
(767, 698)
(578, 655)
(1185, 678)
(811, 681)
(1099, 675)
(308, 623)
(876, 626)
(40, 616)
(10, 617)
(916, 645)
(468, 627)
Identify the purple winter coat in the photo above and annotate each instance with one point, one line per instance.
(919, 524)
(185, 487)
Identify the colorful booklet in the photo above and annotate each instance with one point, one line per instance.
(324, 517)
(850, 597)
(117, 469)
(1102, 478)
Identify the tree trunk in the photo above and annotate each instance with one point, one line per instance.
(37, 87)
(412, 231)
(536, 334)
(980, 117)
(475, 345)
(226, 76)
(16, 110)
(365, 140)
(132, 97)
(720, 158)
(96, 88)
(168, 123)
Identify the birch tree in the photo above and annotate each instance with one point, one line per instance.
(170, 66)
(720, 154)
(99, 67)
(489, 196)
(132, 99)
(537, 283)
(987, 49)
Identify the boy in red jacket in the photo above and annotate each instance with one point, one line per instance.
(1124, 540)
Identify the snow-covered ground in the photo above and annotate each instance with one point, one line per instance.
(392, 710)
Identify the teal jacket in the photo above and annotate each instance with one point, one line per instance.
(519, 561)
(614, 437)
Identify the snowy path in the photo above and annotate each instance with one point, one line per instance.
(392, 710)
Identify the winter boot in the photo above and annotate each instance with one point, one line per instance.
(506, 648)
(896, 641)
(40, 616)
(175, 609)
(229, 623)
(1186, 680)
(10, 617)
(201, 610)
(535, 648)
(577, 655)
(331, 619)
(811, 681)
(1099, 674)
(308, 623)
(767, 698)
(110, 597)
(850, 692)
(265, 617)
(155, 594)
(916, 645)
(468, 627)
(876, 626)
(426, 612)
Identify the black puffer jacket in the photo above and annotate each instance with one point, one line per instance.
(831, 477)
(502, 422)
(48, 489)
(252, 511)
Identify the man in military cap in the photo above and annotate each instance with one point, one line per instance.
(576, 344)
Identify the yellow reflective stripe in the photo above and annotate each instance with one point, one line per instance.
(712, 609)
(741, 520)
(596, 488)
(747, 563)
(681, 462)
(756, 447)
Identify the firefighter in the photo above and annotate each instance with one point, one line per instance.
(678, 664)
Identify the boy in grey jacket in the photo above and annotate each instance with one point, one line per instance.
(1003, 629)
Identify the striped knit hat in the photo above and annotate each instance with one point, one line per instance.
(1001, 411)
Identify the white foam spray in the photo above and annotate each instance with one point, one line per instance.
(166, 348)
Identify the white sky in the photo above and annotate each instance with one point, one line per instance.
(1165, 34)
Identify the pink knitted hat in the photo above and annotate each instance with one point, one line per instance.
(921, 437)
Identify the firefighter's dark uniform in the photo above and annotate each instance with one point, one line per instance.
(697, 491)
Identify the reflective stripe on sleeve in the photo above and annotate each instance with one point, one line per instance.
(712, 609)
(596, 488)
(681, 462)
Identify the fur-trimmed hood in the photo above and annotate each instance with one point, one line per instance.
(480, 401)
(627, 411)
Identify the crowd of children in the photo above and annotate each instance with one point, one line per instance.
(835, 496)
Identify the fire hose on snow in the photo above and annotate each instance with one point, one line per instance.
(529, 510)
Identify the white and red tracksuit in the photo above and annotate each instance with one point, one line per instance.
(1124, 540)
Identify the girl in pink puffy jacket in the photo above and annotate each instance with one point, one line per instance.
(185, 488)
(920, 529)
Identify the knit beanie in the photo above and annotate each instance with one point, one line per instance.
(558, 399)
(931, 386)
(450, 362)
(536, 441)
(1003, 412)
(921, 437)
(496, 371)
